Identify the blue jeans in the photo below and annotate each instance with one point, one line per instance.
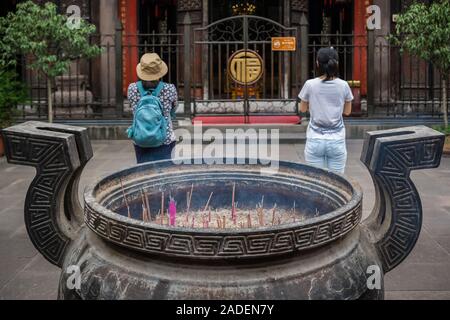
(326, 154)
(154, 154)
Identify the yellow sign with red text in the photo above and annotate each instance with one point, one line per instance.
(284, 44)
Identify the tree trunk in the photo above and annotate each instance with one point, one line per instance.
(49, 100)
(444, 102)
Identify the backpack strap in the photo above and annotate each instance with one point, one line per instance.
(158, 89)
(141, 89)
(155, 92)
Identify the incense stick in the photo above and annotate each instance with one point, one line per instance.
(144, 212)
(233, 205)
(158, 217)
(187, 206)
(147, 204)
(125, 198)
(162, 203)
(190, 199)
(218, 223)
(273, 213)
(172, 212)
(143, 206)
(207, 203)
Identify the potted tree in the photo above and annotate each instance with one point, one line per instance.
(423, 30)
(12, 93)
(50, 39)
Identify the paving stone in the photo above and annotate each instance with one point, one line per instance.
(419, 277)
(15, 252)
(38, 280)
(444, 242)
(417, 295)
(428, 250)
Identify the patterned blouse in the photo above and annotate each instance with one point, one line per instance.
(169, 100)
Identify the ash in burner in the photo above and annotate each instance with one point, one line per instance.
(223, 219)
(209, 218)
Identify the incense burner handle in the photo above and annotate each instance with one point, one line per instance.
(53, 214)
(390, 155)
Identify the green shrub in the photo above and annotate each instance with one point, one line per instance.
(423, 30)
(47, 38)
(12, 93)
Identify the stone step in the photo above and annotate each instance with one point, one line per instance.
(356, 128)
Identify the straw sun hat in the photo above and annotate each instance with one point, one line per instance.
(151, 67)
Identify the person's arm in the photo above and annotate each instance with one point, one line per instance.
(348, 108)
(133, 96)
(348, 100)
(303, 100)
(304, 106)
(173, 97)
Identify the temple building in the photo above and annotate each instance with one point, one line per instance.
(243, 56)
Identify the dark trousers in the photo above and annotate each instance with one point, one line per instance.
(153, 154)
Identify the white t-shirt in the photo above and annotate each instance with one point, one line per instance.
(326, 104)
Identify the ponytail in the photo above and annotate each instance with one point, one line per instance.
(328, 60)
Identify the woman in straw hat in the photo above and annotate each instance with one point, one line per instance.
(150, 71)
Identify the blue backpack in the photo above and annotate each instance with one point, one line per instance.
(149, 128)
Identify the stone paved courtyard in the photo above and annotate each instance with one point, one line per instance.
(24, 274)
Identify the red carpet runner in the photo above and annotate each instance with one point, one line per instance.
(252, 120)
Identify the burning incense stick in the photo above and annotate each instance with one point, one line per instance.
(125, 198)
(172, 212)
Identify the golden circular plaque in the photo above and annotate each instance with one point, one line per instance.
(245, 67)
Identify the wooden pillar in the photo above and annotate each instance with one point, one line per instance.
(287, 84)
(193, 9)
(299, 19)
(128, 16)
(360, 44)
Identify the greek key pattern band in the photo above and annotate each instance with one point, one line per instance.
(220, 246)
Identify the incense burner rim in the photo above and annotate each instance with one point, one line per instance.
(286, 238)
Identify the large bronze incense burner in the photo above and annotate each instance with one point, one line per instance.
(307, 242)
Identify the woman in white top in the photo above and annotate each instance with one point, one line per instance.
(327, 98)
